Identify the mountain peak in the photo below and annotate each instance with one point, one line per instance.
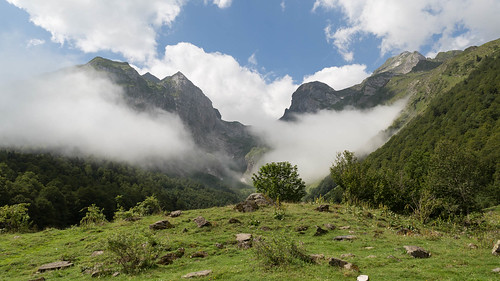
(400, 64)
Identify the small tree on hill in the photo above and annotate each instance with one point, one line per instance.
(280, 180)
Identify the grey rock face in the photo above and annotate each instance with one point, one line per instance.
(417, 252)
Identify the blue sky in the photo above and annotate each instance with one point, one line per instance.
(247, 56)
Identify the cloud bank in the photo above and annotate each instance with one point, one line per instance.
(79, 113)
(410, 25)
(313, 141)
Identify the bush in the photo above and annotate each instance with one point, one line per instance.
(134, 251)
(149, 206)
(94, 216)
(280, 251)
(14, 218)
(280, 181)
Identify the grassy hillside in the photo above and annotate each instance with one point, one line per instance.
(377, 251)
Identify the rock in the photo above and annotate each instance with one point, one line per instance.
(496, 270)
(184, 230)
(265, 228)
(175, 214)
(344, 238)
(496, 248)
(199, 254)
(38, 279)
(345, 227)
(159, 225)
(417, 252)
(116, 274)
(342, 264)
(320, 231)
(323, 208)
(97, 253)
(247, 206)
(301, 228)
(317, 257)
(472, 246)
(219, 245)
(260, 199)
(234, 220)
(363, 278)
(244, 240)
(197, 274)
(330, 226)
(201, 222)
(55, 265)
(369, 248)
(371, 256)
(393, 257)
(170, 257)
(348, 255)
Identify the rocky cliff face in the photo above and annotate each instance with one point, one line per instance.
(314, 96)
(178, 95)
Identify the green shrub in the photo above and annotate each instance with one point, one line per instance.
(149, 206)
(134, 251)
(94, 216)
(14, 218)
(280, 251)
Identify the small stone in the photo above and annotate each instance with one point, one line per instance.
(219, 245)
(17, 237)
(417, 252)
(201, 222)
(197, 274)
(320, 231)
(55, 265)
(344, 238)
(97, 253)
(342, 264)
(301, 228)
(496, 270)
(472, 246)
(244, 240)
(323, 208)
(393, 257)
(348, 255)
(199, 254)
(345, 227)
(159, 225)
(496, 248)
(363, 278)
(184, 230)
(369, 248)
(234, 220)
(330, 226)
(371, 256)
(317, 257)
(175, 214)
(116, 274)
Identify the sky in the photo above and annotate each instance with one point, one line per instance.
(247, 56)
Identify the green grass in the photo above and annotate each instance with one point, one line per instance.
(452, 259)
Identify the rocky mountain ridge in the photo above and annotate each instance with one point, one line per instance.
(177, 94)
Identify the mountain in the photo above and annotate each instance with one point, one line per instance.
(314, 96)
(176, 94)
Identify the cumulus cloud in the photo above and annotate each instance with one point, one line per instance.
(340, 77)
(410, 25)
(242, 93)
(223, 3)
(313, 141)
(126, 27)
(80, 113)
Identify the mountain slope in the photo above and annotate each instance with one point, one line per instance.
(178, 95)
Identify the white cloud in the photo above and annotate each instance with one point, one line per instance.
(340, 77)
(283, 5)
(313, 141)
(223, 3)
(81, 113)
(35, 42)
(126, 27)
(241, 93)
(410, 25)
(252, 59)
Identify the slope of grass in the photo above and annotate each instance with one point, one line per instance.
(452, 258)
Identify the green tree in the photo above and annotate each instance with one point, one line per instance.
(280, 180)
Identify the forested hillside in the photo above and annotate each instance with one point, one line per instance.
(443, 163)
(58, 188)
